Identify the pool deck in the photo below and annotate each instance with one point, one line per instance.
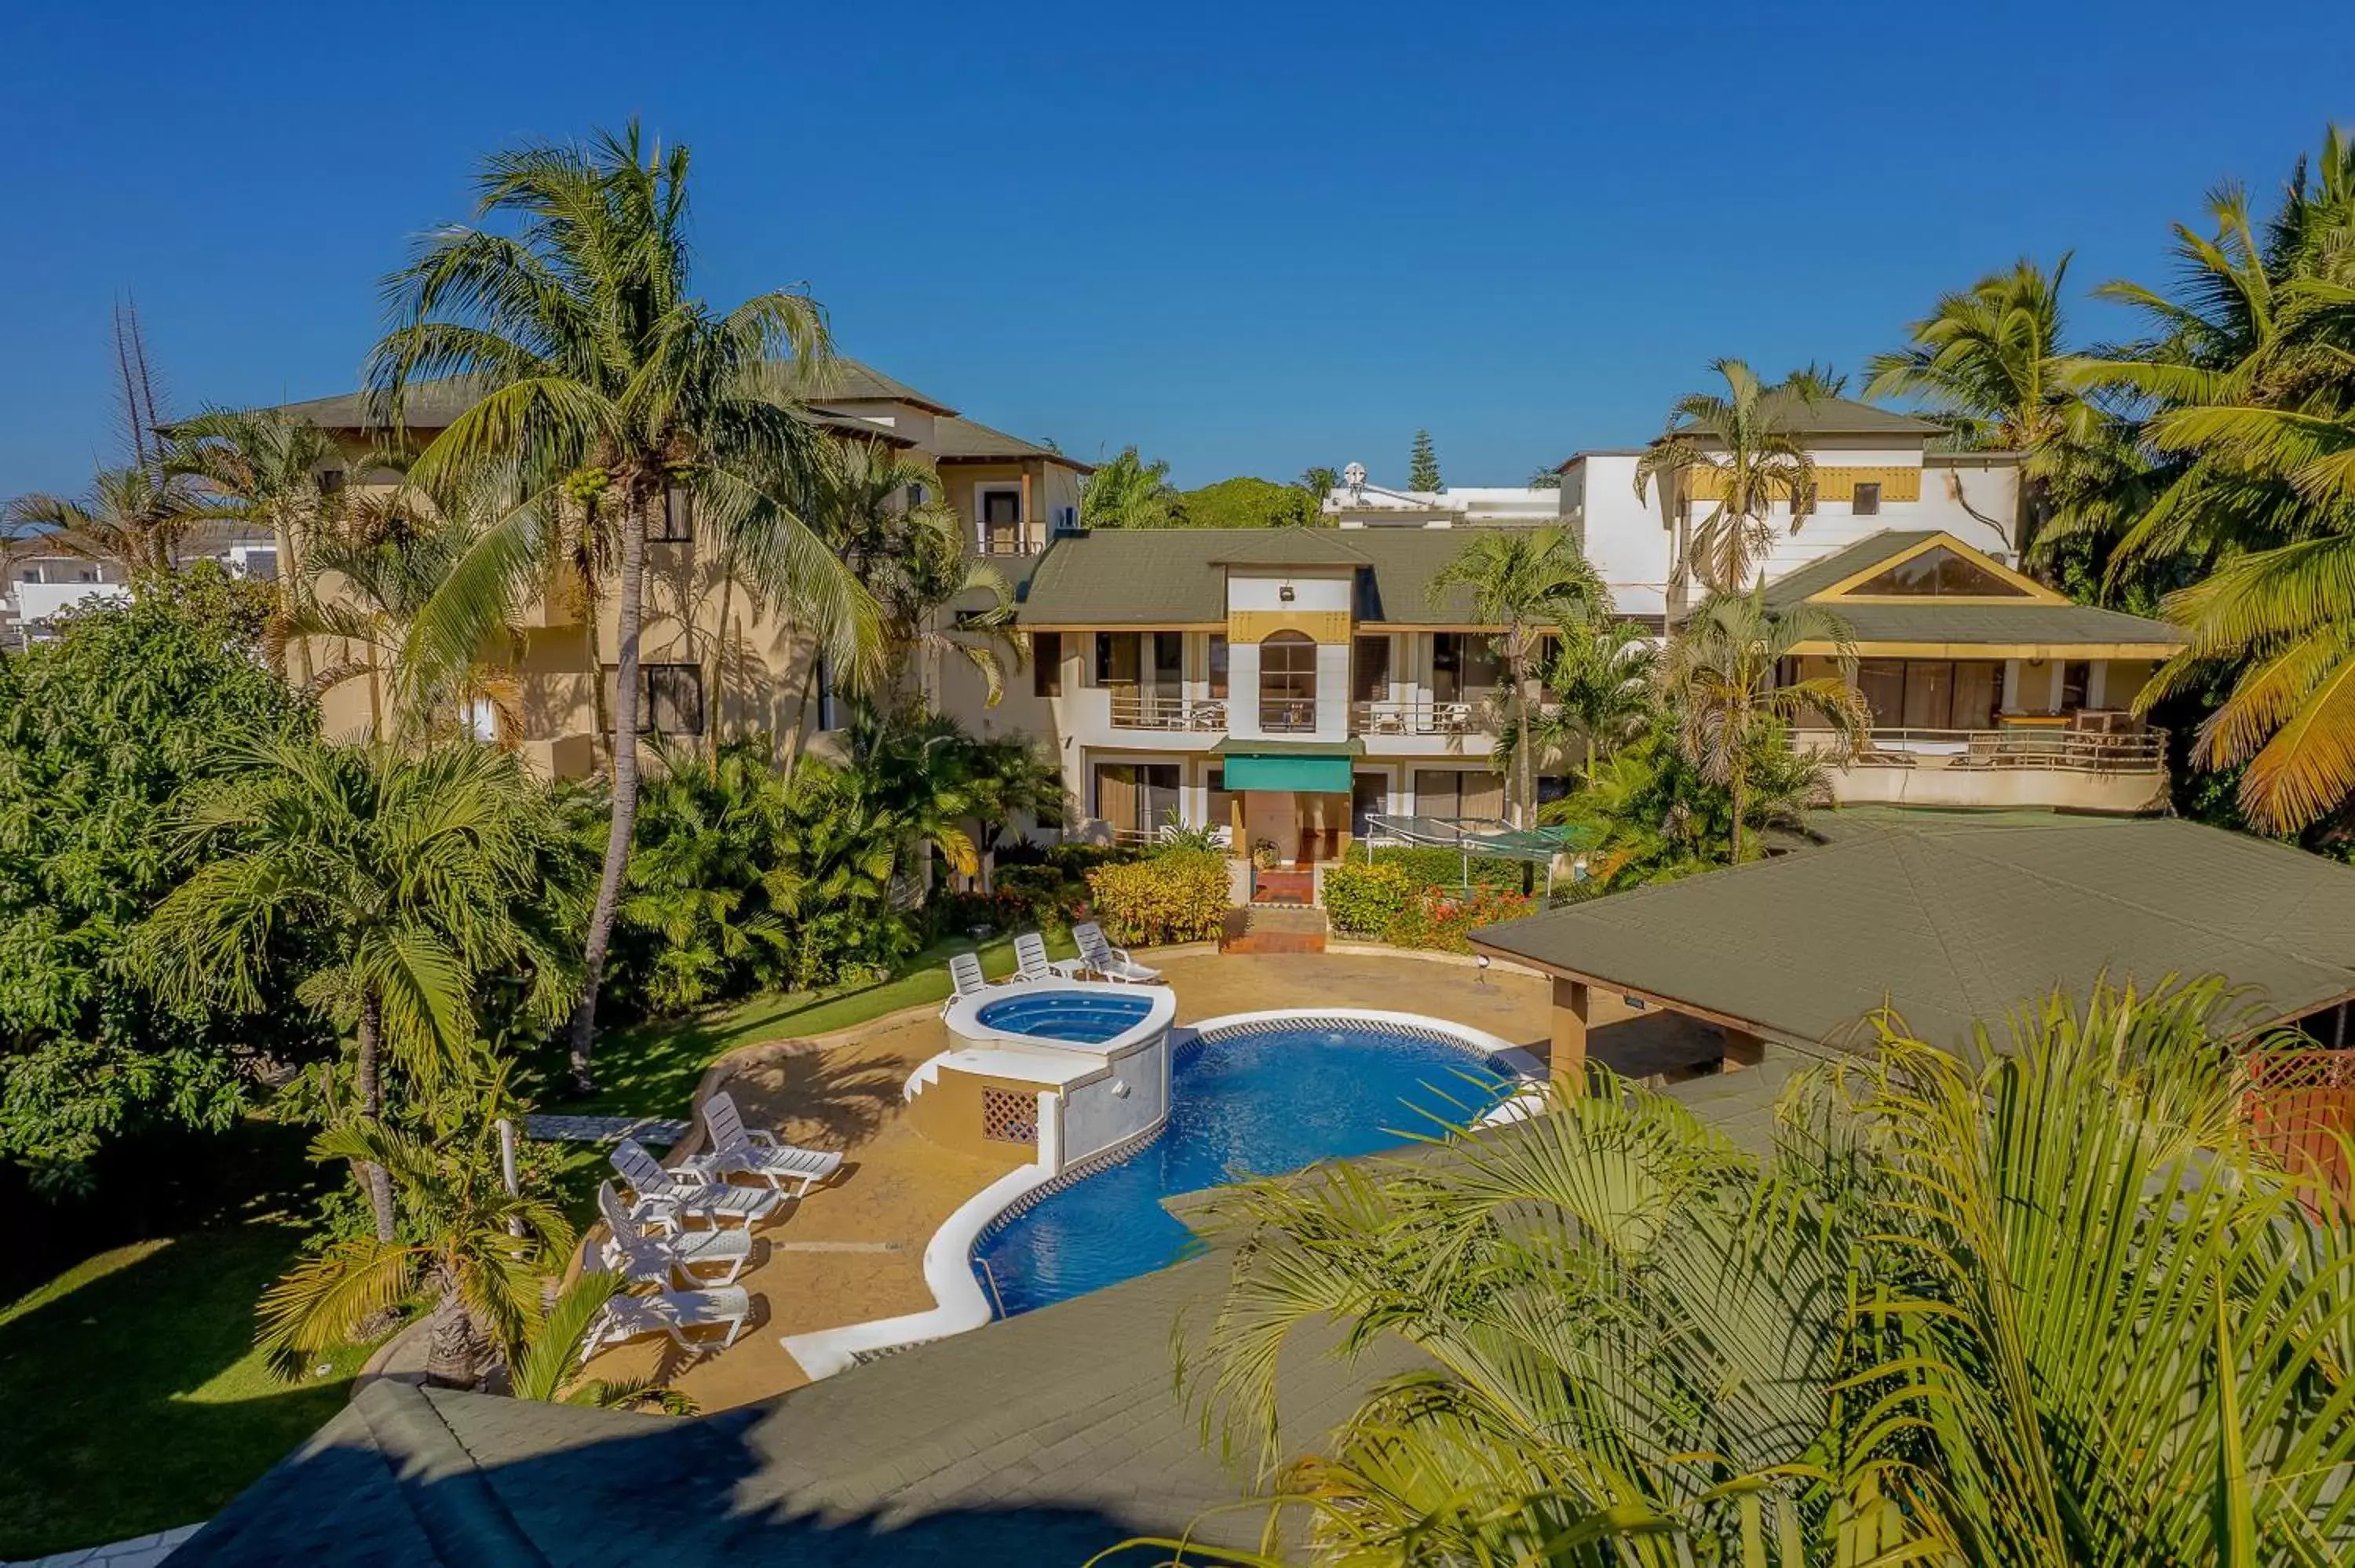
(853, 1250)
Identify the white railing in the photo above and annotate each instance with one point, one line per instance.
(2050, 749)
(1146, 710)
(1419, 717)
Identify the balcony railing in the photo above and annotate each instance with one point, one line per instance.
(1149, 710)
(1287, 715)
(1418, 717)
(2048, 749)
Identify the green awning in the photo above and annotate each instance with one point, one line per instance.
(1321, 775)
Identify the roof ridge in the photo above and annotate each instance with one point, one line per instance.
(454, 1502)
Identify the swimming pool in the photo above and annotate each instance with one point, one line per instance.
(1257, 1101)
(1083, 1017)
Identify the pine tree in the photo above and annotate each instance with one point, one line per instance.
(1422, 466)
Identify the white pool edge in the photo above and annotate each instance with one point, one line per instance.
(960, 1305)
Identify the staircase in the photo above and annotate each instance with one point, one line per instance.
(1273, 928)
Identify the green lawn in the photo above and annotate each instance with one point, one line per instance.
(651, 1069)
(131, 1399)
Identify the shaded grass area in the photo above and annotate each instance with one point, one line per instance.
(652, 1068)
(131, 1399)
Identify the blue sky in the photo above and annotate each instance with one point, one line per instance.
(1248, 238)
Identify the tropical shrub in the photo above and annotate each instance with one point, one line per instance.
(101, 734)
(1178, 897)
(1364, 900)
(1444, 920)
(1428, 866)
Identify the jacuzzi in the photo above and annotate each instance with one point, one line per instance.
(1070, 1067)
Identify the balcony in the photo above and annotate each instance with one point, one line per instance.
(1287, 715)
(2041, 767)
(1418, 717)
(1132, 709)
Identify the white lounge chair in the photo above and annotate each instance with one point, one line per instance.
(669, 1259)
(691, 1196)
(671, 1312)
(1098, 956)
(1030, 957)
(966, 979)
(755, 1151)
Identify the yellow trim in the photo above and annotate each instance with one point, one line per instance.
(1329, 627)
(2035, 592)
(1705, 482)
(2046, 651)
(1028, 625)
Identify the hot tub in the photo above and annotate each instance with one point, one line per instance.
(1069, 1067)
(1091, 1017)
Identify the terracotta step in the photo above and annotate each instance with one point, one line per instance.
(1273, 928)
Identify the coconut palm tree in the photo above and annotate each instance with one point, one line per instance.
(419, 875)
(1126, 491)
(605, 384)
(1009, 777)
(1946, 1320)
(481, 1252)
(1602, 685)
(260, 468)
(1739, 450)
(139, 516)
(1525, 581)
(1719, 678)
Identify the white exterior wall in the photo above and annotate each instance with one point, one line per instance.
(1628, 540)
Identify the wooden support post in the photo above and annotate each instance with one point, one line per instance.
(1573, 1007)
(1743, 1049)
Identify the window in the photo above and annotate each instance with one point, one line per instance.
(1219, 664)
(1001, 521)
(673, 699)
(1287, 683)
(2076, 681)
(1454, 794)
(261, 565)
(1135, 798)
(1370, 670)
(674, 522)
(1929, 694)
(1867, 500)
(1463, 666)
(1046, 663)
(1220, 806)
(1370, 794)
(1067, 519)
(1116, 659)
(1169, 661)
(1939, 573)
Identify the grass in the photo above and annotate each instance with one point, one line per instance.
(652, 1068)
(131, 1399)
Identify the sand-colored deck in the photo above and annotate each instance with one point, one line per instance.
(853, 1250)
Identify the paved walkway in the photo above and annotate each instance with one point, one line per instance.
(656, 1130)
(140, 1552)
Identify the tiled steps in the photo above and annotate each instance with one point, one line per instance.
(1273, 928)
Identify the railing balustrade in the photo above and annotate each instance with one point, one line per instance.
(1152, 710)
(1418, 717)
(1287, 715)
(2050, 748)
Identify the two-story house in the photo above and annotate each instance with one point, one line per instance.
(702, 677)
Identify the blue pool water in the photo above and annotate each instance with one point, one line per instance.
(1257, 1104)
(1084, 1017)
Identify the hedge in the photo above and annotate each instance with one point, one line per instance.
(1382, 900)
(1178, 895)
(1429, 866)
(1364, 900)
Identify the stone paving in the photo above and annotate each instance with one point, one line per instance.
(139, 1552)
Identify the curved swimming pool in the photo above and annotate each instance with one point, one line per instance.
(1089, 1017)
(1259, 1100)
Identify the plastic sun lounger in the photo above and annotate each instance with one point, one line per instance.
(1030, 957)
(693, 1196)
(966, 979)
(672, 1313)
(1100, 956)
(669, 1259)
(755, 1151)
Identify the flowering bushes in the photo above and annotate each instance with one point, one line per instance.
(1444, 918)
(1364, 900)
(1178, 895)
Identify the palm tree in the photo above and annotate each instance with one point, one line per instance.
(1739, 452)
(548, 1368)
(1526, 580)
(481, 1252)
(1126, 491)
(1602, 685)
(1945, 1321)
(1317, 481)
(704, 839)
(418, 874)
(260, 468)
(1009, 776)
(606, 383)
(139, 516)
(1721, 680)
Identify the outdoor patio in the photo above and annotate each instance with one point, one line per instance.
(853, 1251)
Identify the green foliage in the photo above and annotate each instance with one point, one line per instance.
(697, 922)
(1176, 897)
(1746, 440)
(1660, 818)
(1126, 491)
(1422, 464)
(102, 734)
(1246, 503)
(1427, 865)
(1445, 918)
(1945, 1321)
(1363, 900)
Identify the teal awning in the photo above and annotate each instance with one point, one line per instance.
(1321, 775)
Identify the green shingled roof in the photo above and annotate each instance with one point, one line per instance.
(1953, 917)
(1148, 576)
(1793, 586)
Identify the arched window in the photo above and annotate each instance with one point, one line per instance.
(1287, 683)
